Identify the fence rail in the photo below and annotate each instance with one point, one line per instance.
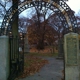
(16, 56)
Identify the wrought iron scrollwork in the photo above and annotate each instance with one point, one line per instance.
(65, 12)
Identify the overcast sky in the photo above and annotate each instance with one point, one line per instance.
(74, 5)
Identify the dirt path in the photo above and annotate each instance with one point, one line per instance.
(51, 71)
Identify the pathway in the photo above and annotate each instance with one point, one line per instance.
(51, 71)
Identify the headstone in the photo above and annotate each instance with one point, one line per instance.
(60, 49)
(4, 57)
(26, 45)
(71, 54)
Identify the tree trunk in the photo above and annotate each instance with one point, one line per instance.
(15, 23)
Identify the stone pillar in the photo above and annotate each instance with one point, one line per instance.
(71, 50)
(4, 57)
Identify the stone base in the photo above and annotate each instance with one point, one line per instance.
(26, 49)
(72, 73)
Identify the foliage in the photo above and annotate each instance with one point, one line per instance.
(32, 65)
(43, 30)
(48, 31)
(78, 22)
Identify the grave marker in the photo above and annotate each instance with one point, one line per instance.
(26, 45)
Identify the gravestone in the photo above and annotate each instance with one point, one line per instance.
(26, 45)
(71, 50)
(60, 49)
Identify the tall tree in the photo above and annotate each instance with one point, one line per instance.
(35, 34)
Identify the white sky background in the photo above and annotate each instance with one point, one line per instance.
(74, 5)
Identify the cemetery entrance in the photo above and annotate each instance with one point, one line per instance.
(55, 7)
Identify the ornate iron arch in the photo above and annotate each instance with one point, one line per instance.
(62, 8)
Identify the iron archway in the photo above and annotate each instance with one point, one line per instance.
(60, 5)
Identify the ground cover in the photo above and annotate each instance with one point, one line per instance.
(32, 64)
(42, 54)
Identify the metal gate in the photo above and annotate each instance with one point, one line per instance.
(59, 7)
(16, 56)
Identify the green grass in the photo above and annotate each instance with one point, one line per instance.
(42, 54)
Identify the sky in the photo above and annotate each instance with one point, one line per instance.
(74, 5)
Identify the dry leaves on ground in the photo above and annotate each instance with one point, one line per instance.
(32, 65)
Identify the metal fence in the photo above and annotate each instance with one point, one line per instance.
(16, 56)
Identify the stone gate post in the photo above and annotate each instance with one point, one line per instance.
(71, 50)
(4, 57)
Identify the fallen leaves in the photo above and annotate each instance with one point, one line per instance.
(32, 65)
